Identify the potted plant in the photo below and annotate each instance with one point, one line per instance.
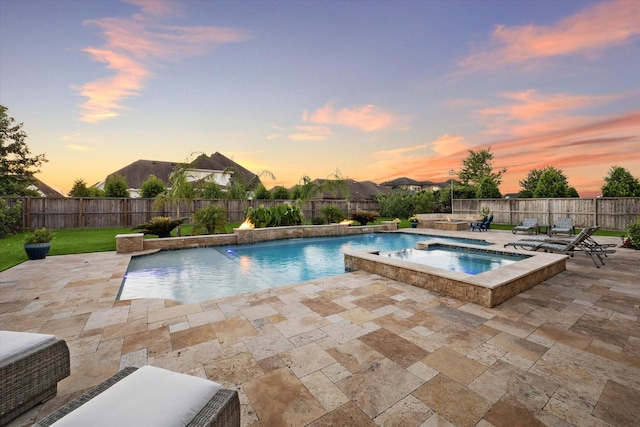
(413, 220)
(37, 244)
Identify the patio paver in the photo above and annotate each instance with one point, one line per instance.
(357, 349)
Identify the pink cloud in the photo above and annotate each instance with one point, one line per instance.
(134, 46)
(587, 33)
(530, 112)
(585, 152)
(367, 118)
(311, 133)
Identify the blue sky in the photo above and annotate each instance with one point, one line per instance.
(374, 90)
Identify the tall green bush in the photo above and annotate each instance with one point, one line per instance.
(634, 233)
(151, 187)
(10, 218)
(116, 186)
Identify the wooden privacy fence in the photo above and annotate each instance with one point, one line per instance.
(610, 213)
(60, 213)
(101, 212)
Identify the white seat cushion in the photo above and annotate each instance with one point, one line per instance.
(12, 343)
(149, 396)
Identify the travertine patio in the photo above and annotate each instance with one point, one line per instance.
(357, 349)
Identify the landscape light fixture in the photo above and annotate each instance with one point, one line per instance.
(452, 173)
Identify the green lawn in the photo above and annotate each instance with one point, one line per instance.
(77, 241)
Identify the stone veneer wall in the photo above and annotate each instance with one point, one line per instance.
(127, 243)
(470, 292)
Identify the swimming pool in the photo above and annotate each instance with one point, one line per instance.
(460, 259)
(200, 274)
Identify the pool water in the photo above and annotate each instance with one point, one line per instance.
(200, 274)
(460, 259)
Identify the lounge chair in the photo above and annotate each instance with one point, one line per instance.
(483, 225)
(30, 367)
(151, 396)
(581, 242)
(563, 226)
(528, 224)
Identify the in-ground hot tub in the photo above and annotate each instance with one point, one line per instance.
(508, 273)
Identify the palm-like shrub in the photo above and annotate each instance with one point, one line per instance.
(364, 217)
(211, 220)
(161, 226)
(332, 214)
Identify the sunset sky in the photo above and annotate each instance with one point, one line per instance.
(373, 89)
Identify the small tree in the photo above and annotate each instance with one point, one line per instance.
(280, 193)
(10, 218)
(552, 183)
(116, 186)
(261, 193)
(80, 189)
(487, 189)
(17, 165)
(478, 165)
(529, 183)
(210, 190)
(620, 183)
(152, 187)
(178, 192)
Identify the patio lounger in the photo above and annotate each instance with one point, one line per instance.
(151, 396)
(564, 226)
(483, 225)
(528, 224)
(581, 242)
(30, 367)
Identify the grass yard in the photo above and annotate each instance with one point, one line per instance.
(78, 241)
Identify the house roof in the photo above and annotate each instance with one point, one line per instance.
(399, 182)
(138, 172)
(45, 189)
(358, 190)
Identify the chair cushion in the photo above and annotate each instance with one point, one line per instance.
(12, 343)
(148, 397)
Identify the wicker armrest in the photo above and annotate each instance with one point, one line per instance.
(31, 377)
(222, 410)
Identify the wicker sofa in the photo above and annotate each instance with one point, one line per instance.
(30, 375)
(222, 410)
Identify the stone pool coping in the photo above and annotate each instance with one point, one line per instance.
(488, 289)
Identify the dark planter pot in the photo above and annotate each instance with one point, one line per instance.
(414, 225)
(37, 250)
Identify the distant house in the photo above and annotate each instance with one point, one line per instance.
(43, 189)
(357, 190)
(413, 185)
(216, 167)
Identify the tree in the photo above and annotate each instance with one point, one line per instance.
(620, 183)
(261, 193)
(210, 190)
(280, 193)
(178, 192)
(487, 189)
(151, 187)
(116, 186)
(529, 183)
(80, 189)
(17, 165)
(478, 165)
(552, 183)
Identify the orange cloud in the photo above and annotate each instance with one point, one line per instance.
(448, 144)
(530, 112)
(367, 118)
(587, 33)
(133, 48)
